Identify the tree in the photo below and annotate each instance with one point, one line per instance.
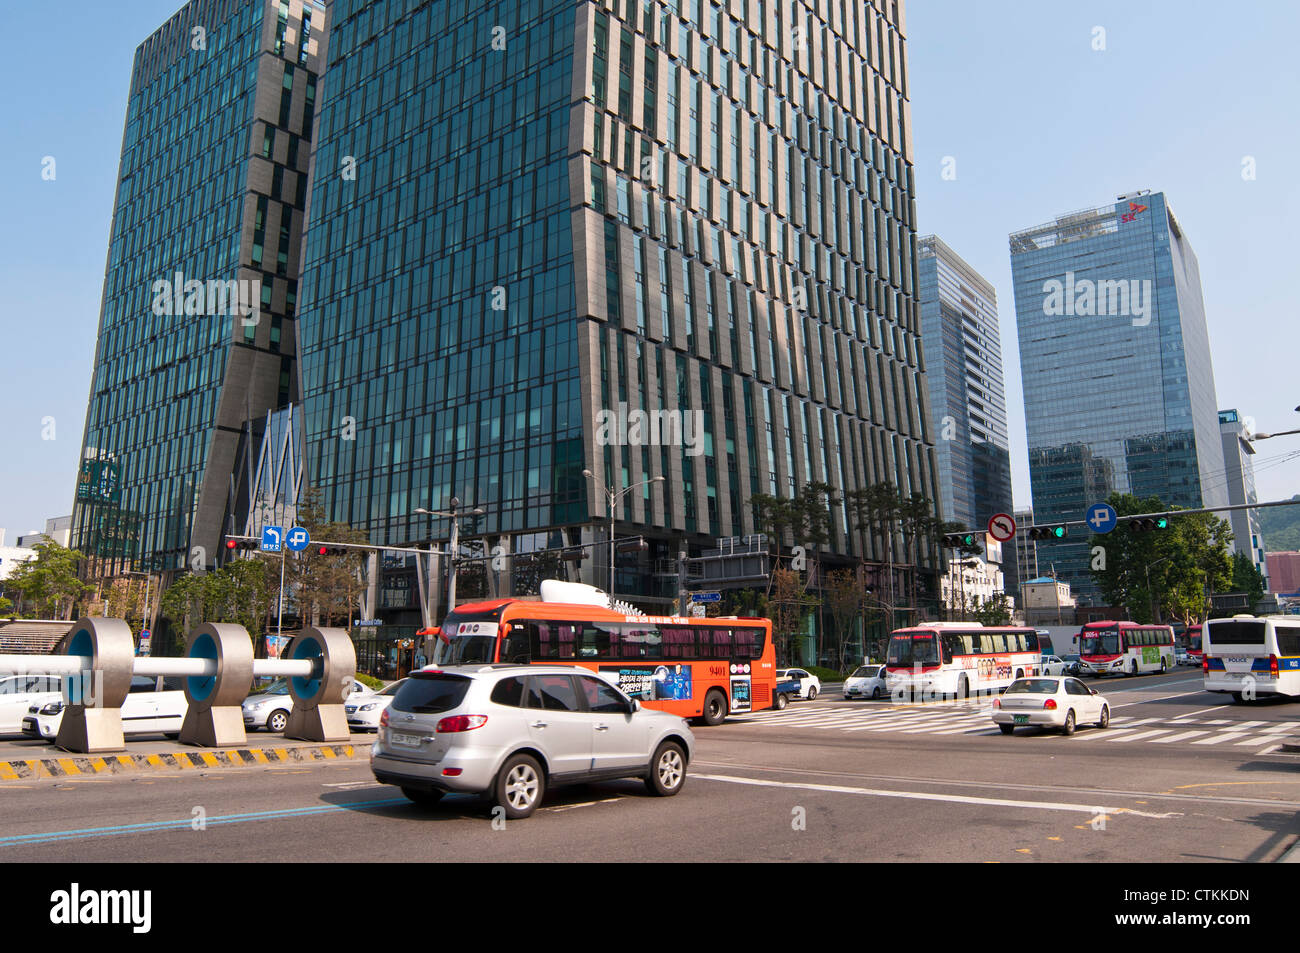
(241, 592)
(1247, 578)
(789, 600)
(326, 589)
(844, 597)
(49, 580)
(992, 611)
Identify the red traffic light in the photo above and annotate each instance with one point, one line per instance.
(231, 543)
(322, 550)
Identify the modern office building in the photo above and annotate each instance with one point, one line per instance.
(1239, 476)
(1115, 362)
(197, 323)
(1024, 556)
(968, 409)
(642, 240)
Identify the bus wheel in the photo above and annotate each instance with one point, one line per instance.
(1020, 673)
(1132, 667)
(963, 690)
(1164, 665)
(715, 708)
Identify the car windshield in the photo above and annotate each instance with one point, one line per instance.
(1033, 686)
(392, 689)
(278, 687)
(866, 671)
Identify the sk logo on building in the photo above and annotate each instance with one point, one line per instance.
(1134, 210)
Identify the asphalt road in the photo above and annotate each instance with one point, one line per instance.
(1181, 776)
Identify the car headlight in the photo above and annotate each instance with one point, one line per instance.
(53, 708)
(370, 707)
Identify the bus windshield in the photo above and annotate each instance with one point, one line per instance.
(1100, 643)
(469, 640)
(921, 649)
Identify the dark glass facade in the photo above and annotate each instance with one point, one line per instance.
(196, 334)
(1116, 369)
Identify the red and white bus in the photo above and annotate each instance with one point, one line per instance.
(1190, 642)
(939, 659)
(695, 668)
(1125, 648)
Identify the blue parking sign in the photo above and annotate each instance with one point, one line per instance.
(297, 539)
(1101, 517)
(272, 538)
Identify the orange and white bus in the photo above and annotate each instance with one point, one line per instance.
(695, 668)
(938, 659)
(1125, 648)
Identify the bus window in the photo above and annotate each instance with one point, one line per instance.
(1288, 640)
(679, 641)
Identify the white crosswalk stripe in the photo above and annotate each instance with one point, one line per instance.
(973, 717)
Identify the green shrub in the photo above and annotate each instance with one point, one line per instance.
(370, 681)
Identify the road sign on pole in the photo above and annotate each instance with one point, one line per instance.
(272, 538)
(1002, 527)
(1101, 517)
(297, 539)
(706, 596)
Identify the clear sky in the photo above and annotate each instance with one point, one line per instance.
(1038, 121)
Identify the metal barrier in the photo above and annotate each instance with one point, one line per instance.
(218, 668)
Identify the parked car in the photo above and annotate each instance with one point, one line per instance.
(18, 693)
(364, 711)
(867, 681)
(269, 707)
(153, 706)
(810, 685)
(1062, 703)
(511, 732)
(1053, 665)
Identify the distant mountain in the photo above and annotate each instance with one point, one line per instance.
(1280, 527)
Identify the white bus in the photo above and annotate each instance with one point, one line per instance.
(939, 659)
(1250, 656)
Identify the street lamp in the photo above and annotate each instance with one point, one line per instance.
(454, 515)
(1280, 433)
(612, 497)
(1155, 608)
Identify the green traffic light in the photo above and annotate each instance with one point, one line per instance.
(1162, 523)
(1058, 531)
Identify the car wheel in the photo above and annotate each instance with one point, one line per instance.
(1239, 698)
(780, 702)
(422, 798)
(171, 735)
(715, 708)
(520, 786)
(667, 770)
(1068, 727)
(812, 692)
(1104, 722)
(875, 693)
(1007, 729)
(277, 720)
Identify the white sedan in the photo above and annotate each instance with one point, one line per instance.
(1062, 703)
(810, 685)
(364, 710)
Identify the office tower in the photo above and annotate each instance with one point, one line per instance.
(642, 240)
(1025, 557)
(1115, 363)
(1239, 475)
(968, 411)
(196, 332)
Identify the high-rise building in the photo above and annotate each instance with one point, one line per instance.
(1115, 363)
(1024, 555)
(197, 323)
(1239, 475)
(642, 240)
(968, 409)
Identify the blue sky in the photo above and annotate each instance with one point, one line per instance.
(1038, 121)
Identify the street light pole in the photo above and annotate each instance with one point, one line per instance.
(612, 498)
(454, 515)
(1155, 607)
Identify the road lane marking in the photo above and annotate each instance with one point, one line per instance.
(1203, 711)
(1091, 810)
(1221, 738)
(1140, 734)
(1180, 737)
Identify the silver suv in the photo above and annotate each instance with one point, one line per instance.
(510, 731)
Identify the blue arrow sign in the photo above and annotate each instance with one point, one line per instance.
(1101, 517)
(272, 537)
(297, 539)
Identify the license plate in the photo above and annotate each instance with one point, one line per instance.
(411, 741)
(1022, 719)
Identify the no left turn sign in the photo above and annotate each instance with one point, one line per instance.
(1002, 527)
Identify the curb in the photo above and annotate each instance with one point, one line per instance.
(77, 766)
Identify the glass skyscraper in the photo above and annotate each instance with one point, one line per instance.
(1115, 363)
(968, 409)
(639, 239)
(196, 334)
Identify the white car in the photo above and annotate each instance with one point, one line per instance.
(18, 693)
(269, 707)
(364, 711)
(1043, 702)
(1053, 665)
(153, 706)
(810, 685)
(867, 681)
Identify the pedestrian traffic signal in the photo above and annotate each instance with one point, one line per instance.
(1049, 532)
(958, 540)
(1146, 523)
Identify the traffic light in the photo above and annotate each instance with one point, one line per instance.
(1146, 523)
(237, 544)
(324, 549)
(1049, 532)
(632, 546)
(958, 540)
(575, 554)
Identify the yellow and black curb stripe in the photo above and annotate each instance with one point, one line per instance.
(76, 766)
